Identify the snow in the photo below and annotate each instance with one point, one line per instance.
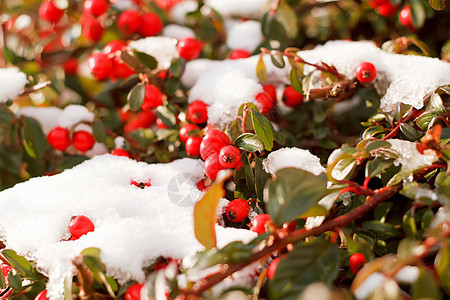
(177, 31)
(409, 157)
(12, 83)
(372, 283)
(401, 78)
(239, 8)
(163, 49)
(133, 226)
(73, 114)
(293, 157)
(179, 11)
(245, 35)
(46, 116)
(408, 274)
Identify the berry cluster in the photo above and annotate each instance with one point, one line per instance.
(147, 24)
(59, 138)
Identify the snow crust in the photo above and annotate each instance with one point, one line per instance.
(133, 226)
(409, 157)
(12, 83)
(245, 35)
(176, 31)
(293, 157)
(162, 48)
(238, 8)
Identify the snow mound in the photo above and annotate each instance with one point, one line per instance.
(177, 31)
(12, 83)
(238, 8)
(293, 157)
(245, 35)
(403, 78)
(409, 157)
(162, 48)
(133, 226)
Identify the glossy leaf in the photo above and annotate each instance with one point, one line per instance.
(277, 59)
(295, 81)
(2, 281)
(437, 4)
(409, 131)
(261, 177)
(263, 129)
(99, 131)
(15, 282)
(261, 71)
(148, 60)
(442, 267)
(425, 287)
(288, 18)
(33, 138)
(249, 142)
(20, 263)
(177, 67)
(136, 97)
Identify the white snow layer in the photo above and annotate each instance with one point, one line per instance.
(238, 8)
(409, 157)
(245, 35)
(162, 48)
(12, 83)
(403, 78)
(293, 157)
(177, 31)
(133, 226)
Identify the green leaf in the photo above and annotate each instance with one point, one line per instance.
(99, 131)
(437, 4)
(6, 116)
(277, 59)
(136, 96)
(205, 215)
(425, 287)
(261, 71)
(317, 261)
(443, 187)
(235, 129)
(166, 116)
(288, 19)
(248, 172)
(15, 281)
(293, 192)
(249, 142)
(263, 129)
(11, 159)
(261, 177)
(148, 60)
(374, 145)
(33, 138)
(442, 267)
(377, 166)
(91, 257)
(417, 13)
(316, 210)
(20, 263)
(380, 230)
(177, 67)
(2, 281)
(295, 81)
(409, 131)
(71, 161)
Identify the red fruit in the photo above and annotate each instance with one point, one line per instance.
(144, 119)
(214, 133)
(166, 4)
(79, 226)
(141, 185)
(290, 226)
(153, 97)
(162, 263)
(265, 103)
(71, 66)
(198, 112)
(405, 16)
(151, 24)
(237, 210)
(121, 69)
(100, 65)
(189, 48)
(193, 145)
(50, 12)
(59, 138)
(114, 46)
(129, 21)
(376, 3)
(272, 268)
(271, 91)
(5, 270)
(134, 292)
(229, 157)
(258, 223)
(201, 185)
(366, 72)
(83, 140)
(120, 152)
(41, 296)
(387, 9)
(95, 7)
(161, 124)
(291, 97)
(213, 141)
(239, 53)
(185, 129)
(212, 166)
(91, 29)
(357, 261)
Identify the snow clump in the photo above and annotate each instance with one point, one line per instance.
(293, 157)
(12, 83)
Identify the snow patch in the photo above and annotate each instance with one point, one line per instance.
(12, 83)
(163, 49)
(293, 157)
(245, 35)
(238, 8)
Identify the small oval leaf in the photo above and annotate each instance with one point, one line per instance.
(136, 97)
(249, 142)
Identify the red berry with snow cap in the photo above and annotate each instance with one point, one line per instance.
(237, 210)
(212, 166)
(258, 223)
(95, 7)
(83, 140)
(129, 21)
(114, 46)
(229, 157)
(193, 145)
(153, 97)
(100, 65)
(48, 11)
(151, 24)
(189, 48)
(185, 129)
(264, 102)
(134, 292)
(59, 138)
(357, 261)
(120, 152)
(80, 225)
(198, 112)
(366, 72)
(291, 97)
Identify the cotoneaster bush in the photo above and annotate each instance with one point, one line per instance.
(314, 170)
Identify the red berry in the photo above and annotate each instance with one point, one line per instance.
(290, 226)
(357, 261)
(83, 140)
(229, 157)
(114, 47)
(134, 292)
(5, 270)
(237, 210)
(95, 7)
(79, 226)
(201, 185)
(151, 24)
(212, 166)
(161, 124)
(258, 223)
(405, 16)
(387, 9)
(272, 268)
(50, 12)
(71, 66)
(264, 102)
(185, 129)
(366, 72)
(214, 133)
(59, 138)
(376, 3)
(100, 65)
(41, 296)
(129, 21)
(291, 97)
(271, 91)
(120, 152)
(239, 53)
(213, 141)
(189, 48)
(162, 263)
(193, 145)
(144, 119)
(153, 97)
(141, 185)
(198, 112)
(121, 69)
(91, 28)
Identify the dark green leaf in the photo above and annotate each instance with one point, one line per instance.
(317, 261)
(20, 263)
(249, 142)
(143, 136)
(6, 117)
(15, 282)
(292, 193)
(380, 230)
(148, 60)
(261, 177)
(437, 4)
(409, 131)
(33, 138)
(166, 116)
(373, 145)
(425, 287)
(11, 159)
(417, 13)
(425, 119)
(442, 267)
(261, 71)
(2, 281)
(263, 129)
(295, 81)
(377, 166)
(177, 67)
(277, 59)
(98, 130)
(248, 172)
(136, 96)
(70, 161)
(235, 129)
(443, 187)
